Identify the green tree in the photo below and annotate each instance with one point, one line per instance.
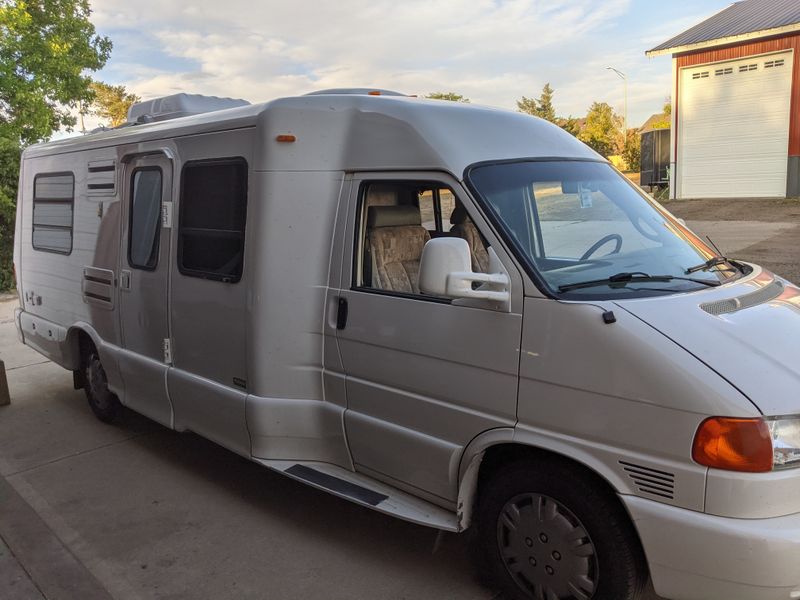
(9, 174)
(542, 108)
(111, 102)
(451, 96)
(570, 124)
(601, 130)
(632, 150)
(46, 49)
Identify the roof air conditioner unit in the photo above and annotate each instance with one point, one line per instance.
(179, 105)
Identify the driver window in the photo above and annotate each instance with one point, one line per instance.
(396, 220)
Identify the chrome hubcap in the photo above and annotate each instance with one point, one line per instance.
(546, 549)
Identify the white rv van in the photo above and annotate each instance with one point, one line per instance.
(459, 316)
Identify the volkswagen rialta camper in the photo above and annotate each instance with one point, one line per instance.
(459, 316)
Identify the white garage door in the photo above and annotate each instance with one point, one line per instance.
(733, 128)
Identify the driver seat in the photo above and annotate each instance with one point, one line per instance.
(464, 228)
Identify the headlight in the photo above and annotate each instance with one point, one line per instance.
(785, 434)
(757, 445)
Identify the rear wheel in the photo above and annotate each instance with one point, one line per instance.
(103, 402)
(547, 531)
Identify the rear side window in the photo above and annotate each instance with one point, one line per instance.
(212, 219)
(145, 218)
(53, 203)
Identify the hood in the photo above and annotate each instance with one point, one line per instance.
(748, 331)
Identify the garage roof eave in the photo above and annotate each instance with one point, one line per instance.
(725, 41)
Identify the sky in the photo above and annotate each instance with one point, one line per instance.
(491, 51)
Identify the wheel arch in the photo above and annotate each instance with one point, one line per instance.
(78, 335)
(488, 452)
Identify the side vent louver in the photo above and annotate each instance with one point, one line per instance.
(98, 286)
(102, 177)
(651, 481)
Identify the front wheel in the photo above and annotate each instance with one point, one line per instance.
(547, 531)
(103, 402)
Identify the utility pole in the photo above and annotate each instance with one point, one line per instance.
(625, 115)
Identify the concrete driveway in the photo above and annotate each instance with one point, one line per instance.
(137, 511)
(90, 511)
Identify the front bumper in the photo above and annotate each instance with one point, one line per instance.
(695, 556)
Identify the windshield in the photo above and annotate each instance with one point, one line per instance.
(587, 233)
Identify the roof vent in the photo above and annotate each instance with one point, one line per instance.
(179, 105)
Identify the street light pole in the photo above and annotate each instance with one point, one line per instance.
(625, 83)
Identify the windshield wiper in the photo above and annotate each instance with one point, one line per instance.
(622, 279)
(709, 264)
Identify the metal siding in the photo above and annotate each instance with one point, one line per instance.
(756, 48)
(738, 19)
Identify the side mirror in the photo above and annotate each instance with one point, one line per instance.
(446, 270)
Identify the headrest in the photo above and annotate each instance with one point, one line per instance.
(393, 216)
(382, 195)
(459, 215)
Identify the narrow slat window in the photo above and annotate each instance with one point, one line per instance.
(53, 205)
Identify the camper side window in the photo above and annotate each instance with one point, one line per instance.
(212, 219)
(53, 204)
(145, 218)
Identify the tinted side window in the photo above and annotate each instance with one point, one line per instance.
(212, 219)
(53, 202)
(145, 218)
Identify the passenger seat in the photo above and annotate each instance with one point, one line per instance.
(464, 228)
(395, 238)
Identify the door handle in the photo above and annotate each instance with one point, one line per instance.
(341, 314)
(125, 279)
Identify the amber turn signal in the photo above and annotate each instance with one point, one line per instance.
(285, 137)
(734, 445)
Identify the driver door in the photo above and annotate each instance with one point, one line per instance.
(424, 375)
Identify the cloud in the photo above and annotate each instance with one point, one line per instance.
(492, 51)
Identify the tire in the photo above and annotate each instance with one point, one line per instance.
(548, 531)
(104, 403)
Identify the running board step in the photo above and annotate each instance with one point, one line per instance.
(366, 491)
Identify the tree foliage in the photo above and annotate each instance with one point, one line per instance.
(570, 124)
(9, 174)
(632, 150)
(111, 102)
(601, 130)
(46, 48)
(451, 96)
(541, 107)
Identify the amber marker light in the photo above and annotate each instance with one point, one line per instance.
(734, 444)
(374, 93)
(285, 137)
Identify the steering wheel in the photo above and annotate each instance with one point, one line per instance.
(611, 237)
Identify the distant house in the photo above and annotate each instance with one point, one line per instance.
(657, 121)
(736, 96)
